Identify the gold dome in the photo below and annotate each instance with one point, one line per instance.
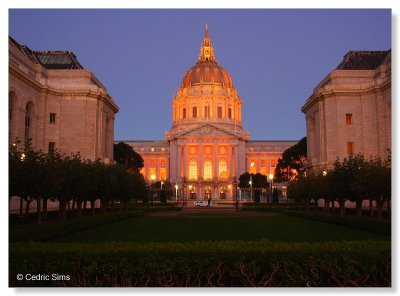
(207, 73)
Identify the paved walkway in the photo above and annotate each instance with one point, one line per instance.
(217, 210)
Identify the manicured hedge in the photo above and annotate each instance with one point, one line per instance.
(201, 264)
(367, 224)
(49, 231)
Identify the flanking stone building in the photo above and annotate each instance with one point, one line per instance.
(350, 110)
(207, 147)
(56, 103)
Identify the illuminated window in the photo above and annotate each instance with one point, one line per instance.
(263, 169)
(152, 171)
(193, 170)
(152, 149)
(252, 166)
(163, 173)
(222, 169)
(207, 170)
(194, 112)
(229, 113)
(273, 163)
(219, 111)
(350, 147)
(184, 113)
(349, 119)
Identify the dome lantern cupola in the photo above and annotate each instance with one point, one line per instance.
(207, 50)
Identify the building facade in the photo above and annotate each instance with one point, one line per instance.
(349, 111)
(55, 103)
(207, 148)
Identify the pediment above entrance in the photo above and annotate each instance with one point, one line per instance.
(208, 130)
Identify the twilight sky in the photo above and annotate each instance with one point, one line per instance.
(275, 57)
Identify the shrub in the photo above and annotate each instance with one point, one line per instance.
(201, 264)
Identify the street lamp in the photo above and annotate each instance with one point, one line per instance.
(251, 189)
(271, 178)
(324, 173)
(190, 191)
(251, 181)
(176, 192)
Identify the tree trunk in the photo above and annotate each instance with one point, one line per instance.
(389, 207)
(306, 206)
(28, 203)
(126, 206)
(21, 204)
(103, 206)
(371, 207)
(79, 209)
(63, 213)
(44, 216)
(112, 206)
(379, 205)
(342, 208)
(359, 208)
(39, 210)
(85, 204)
(73, 208)
(92, 206)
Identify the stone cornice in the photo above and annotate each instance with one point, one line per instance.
(320, 94)
(105, 97)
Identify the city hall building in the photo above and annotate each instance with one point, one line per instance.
(207, 148)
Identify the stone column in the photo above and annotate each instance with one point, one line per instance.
(241, 158)
(200, 161)
(185, 160)
(230, 161)
(158, 168)
(178, 168)
(237, 161)
(215, 161)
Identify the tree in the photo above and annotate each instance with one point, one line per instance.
(259, 182)
(124, 154)
(292, 162)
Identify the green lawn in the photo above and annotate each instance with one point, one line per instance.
(205, 226)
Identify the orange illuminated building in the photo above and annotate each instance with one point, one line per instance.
(207, 147)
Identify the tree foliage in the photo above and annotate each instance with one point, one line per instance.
(291, 165)
(259, 182)
(65, 178)
(355, 179)
(124, 154)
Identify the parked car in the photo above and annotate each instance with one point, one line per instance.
(201, 203)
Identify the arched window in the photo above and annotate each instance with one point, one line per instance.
(192, 170)
(207, 170)
(222, 169)
(28, 122)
